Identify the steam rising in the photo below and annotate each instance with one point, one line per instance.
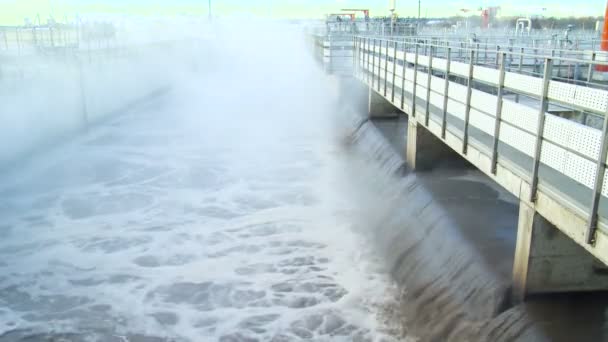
(193, 191)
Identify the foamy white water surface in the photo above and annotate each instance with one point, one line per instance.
(213, 213)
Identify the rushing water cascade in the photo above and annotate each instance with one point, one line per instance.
(212, 213)
(253, 203)
(448, 238)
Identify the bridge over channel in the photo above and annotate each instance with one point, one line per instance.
(523, 116)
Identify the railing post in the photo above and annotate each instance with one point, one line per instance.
(519, 69)
(415, 80)
(379, 64)
(359, 55)
(497, 117)
(427, 110)
(544, 103)
(394, 70)
(591, 67)
(598, 184)
(497, 56)
(386, 67)
(403, 75)
(467, 110)
(446, 89)
(367, 54)
(355, 56)
(373, 70)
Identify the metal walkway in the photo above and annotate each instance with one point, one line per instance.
(556, 164)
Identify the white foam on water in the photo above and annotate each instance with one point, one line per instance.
(213, 214)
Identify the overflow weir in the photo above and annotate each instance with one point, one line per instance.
(497, 232)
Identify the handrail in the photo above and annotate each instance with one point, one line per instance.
(435, 64)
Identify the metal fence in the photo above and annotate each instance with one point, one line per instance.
(513, 104)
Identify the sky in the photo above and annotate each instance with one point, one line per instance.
(14, 11)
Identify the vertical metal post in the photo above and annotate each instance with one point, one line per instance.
(467, 110)
(394, 70)
(18, 41)
(519, 69)
(460, 51)
(427, 110)
(364, 54)
(477, 54)
(385, 67)
(591, 67)
(544, 103)
(598, 184)
(559, 66)
(359, 54)
(367, 55)
(373, 70)
(536, 63)
(446, 90)
(415, 80)
(403, 75)
(485, 53)
(497, 117)
(497, 56)
(355, 56)
(379, 64)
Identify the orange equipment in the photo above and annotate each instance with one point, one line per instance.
(604, 42)
(365, 11)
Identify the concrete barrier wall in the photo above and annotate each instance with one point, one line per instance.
(45, 98)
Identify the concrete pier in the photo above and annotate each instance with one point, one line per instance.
(423, 149)
(547, 261)
(379, 107)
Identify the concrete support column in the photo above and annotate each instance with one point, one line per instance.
(379, 107)
(423, 149)
(547, 261)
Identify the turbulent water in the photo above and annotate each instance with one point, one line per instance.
(217, 212)
(253, 203)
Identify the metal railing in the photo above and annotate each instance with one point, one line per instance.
(462, 94)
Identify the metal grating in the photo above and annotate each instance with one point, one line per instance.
(456, 109)
(486, 74)
(553, 156)
(409, 86)
(482, 121)
(411, 57)
(483, 101)
(580, 169)
(461, 69)
(436, 100)
(593, 99)
(605, 186)
(520, 140)
(556, 130)
(585, 140)
(457, 91)
(409, 75)
(519, 115)
(560, 91)
(526, 84)
(440, 64)
(423, 60)
(437, 84)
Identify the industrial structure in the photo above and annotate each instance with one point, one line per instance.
(529, 109)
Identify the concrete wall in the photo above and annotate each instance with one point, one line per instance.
(547, 261)
(56, 97)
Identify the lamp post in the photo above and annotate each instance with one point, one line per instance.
(209, 10)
